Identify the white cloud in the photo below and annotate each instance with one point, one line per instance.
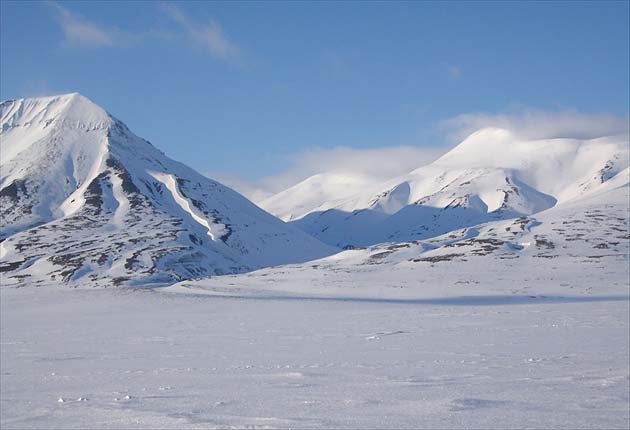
(379, 164)
(80, 32)
(540, 124)
(209, 36)
(255, 190)
(385, 163)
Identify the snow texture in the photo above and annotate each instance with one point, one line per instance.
(490, 289)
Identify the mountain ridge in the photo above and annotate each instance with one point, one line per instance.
(125, 213)
(490, 175)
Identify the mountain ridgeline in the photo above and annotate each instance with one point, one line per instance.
(490, 176)
(85, 201)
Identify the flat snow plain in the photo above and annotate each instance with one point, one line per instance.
(430, 348)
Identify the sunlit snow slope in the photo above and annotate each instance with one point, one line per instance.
(492, 175)
(311, 193)
(577, 247)
(84, 200)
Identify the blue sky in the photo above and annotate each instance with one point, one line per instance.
(246, 89)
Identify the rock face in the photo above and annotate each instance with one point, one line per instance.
(492, 175)
(84, 200)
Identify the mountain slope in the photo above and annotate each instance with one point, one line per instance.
(83, 199)
(579, 247)
(491, 175)
(309, 194)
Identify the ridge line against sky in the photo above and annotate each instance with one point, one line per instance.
(255, 93)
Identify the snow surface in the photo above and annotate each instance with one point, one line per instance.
(493, 290)
(519, 323)
(147, 359)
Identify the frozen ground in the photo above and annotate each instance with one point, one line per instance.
(290, 361)
(487, 301)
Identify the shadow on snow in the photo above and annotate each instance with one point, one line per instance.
(484, 300)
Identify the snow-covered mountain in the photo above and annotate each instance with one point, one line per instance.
(492, 175)
(313, 192)
(84, 200)
(579, 246)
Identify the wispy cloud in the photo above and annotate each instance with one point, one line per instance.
(80, 32)
(379, 164)
(384, 163)
(208, 36)
(540, 124)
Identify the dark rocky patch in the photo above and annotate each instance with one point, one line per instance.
(542, 242)
(437, 258)
(14, 190)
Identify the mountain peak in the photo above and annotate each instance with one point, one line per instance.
(493, 174)
(27, 121)
(480, 145)
(71, 110)
(85, 200)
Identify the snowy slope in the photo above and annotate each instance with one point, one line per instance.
(84, 199)
(517, 319)
(519, 323)
(313, 192)
(579, 246)
(491, 175)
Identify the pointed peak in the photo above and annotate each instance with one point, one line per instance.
(55, 98)
(69, 110)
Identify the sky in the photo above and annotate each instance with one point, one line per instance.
(262, 94)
